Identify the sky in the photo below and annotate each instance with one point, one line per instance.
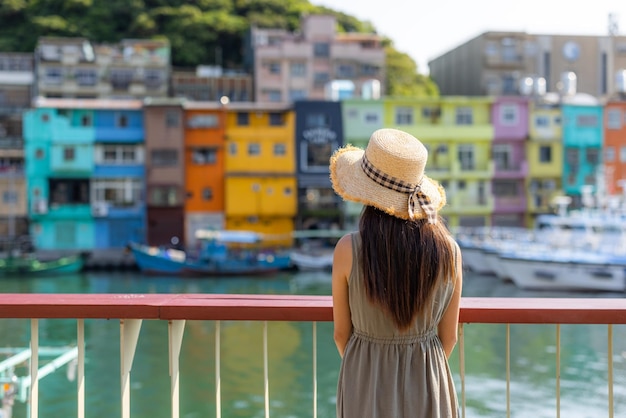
(425, 30)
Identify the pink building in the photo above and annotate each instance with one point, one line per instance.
(291, 66)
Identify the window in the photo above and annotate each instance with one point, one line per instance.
(85, 120)
(372, 118)
(153, 78)
(316, 155)
(274, 67)
(404, 116)
(542, 121)
(321, 49)
(117, 192)
(53, 76)
(316, 120)
(243, 119)
(508, 115)
(121, 78)
(369, 70)
(466, 157)
(280, 149)
(69, 191)
(586, 121)
(39, 153)
(164, 196)
(464, 116)
(277, 119)
(232, 148)
(505, 188)
(254, 149)
(207, 193)
(614, 119)
(297, 94)
(86, 77)
(320, 79)
(9, 197)
(274, 95)
(121, 120)
(571, 157)
(172, 118)
(202, 121)
(345, 71)
(609, 154)
(119, 154)
(592, 155)
(69, 153)
(545, 154)
(297, 69)
(502, 156)
(201, 156)
(164, 157)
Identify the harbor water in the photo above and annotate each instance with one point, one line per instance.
(584, 356)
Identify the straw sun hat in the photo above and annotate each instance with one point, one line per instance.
(389, 175)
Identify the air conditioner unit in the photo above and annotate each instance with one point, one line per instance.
(40, 207)
(100, 209)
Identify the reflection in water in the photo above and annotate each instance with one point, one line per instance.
(533, 371)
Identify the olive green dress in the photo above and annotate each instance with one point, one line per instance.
(386, 374)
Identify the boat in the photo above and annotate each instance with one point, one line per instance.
(221, 253)
(316, 260)
(574, 270)
(30, 265)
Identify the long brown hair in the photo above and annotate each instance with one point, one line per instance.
(402, 261)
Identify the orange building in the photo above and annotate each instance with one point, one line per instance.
(204, 162)
(615, 146)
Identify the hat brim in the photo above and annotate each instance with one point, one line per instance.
(351, 183)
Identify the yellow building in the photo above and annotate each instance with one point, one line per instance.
(544, 151)
(260, 182)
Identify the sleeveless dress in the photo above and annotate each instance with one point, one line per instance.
(386, 374)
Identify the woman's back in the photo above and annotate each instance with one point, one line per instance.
(388, 373)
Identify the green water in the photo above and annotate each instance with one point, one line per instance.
(583, 369)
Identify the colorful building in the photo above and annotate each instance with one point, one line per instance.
(319, 132)
(165, 174)
(544, 154)
(59, 154)
(509, 116)
(614, 156)
(260, 183)
(583, 138)
(204, 164)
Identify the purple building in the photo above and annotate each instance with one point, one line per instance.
(509, 115)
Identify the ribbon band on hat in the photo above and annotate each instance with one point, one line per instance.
(416, 196)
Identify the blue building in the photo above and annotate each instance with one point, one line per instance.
(84, 173)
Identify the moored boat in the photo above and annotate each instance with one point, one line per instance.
(222, 253)
(30, 265)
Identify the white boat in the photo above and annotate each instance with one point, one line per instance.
(312, 260)
(565, 270)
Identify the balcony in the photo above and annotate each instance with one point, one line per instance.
(490, 318)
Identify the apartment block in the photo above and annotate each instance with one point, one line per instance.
(291, 66)
(78, 68)
(513, 63)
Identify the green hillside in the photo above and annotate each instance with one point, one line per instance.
(199, 31)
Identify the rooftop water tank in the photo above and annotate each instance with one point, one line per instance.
(339, 89)
(568, 83)
(370, 90)
(620, 81)
(526, 86)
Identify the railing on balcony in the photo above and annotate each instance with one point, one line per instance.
(176, 309)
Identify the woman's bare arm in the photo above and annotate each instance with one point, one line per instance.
(342, 265)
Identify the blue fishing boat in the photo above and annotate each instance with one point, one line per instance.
(221, 253)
